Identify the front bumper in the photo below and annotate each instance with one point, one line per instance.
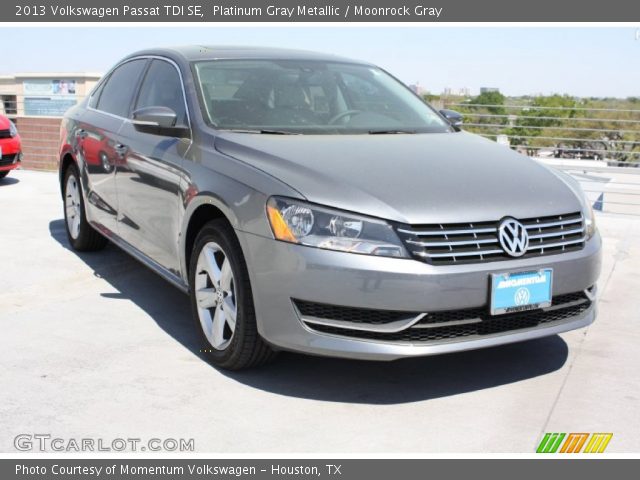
(281, 272)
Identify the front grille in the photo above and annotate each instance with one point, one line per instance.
(471, 323)
(7, 159)
(447, 244)
(5, 134)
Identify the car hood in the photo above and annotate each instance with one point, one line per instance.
(408, 178)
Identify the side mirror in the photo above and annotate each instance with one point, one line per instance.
(158, 121)
(453, 117)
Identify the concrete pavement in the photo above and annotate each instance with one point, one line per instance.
(95, 345)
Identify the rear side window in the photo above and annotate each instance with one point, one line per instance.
(161, 87)
(93, 101)
(116, 95)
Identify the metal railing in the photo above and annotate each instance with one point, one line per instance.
(560, 132)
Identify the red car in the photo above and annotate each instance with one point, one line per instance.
(10, 146)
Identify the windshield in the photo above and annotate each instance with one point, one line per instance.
(310, 97)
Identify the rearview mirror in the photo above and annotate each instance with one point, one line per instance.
(158, 121)
(453, 117)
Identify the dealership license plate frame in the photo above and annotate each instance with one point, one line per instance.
(542, 297)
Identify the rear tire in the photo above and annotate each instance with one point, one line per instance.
(4, 174)
(80, 233)
(222, 300)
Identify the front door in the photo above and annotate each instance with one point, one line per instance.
(150, 174)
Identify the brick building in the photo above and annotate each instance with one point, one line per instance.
(36, 103)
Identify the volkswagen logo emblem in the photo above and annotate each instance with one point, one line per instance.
(513, 237)
(522, 296)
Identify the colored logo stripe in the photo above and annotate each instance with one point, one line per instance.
(550, 443)
(598, 442)
(574, 442)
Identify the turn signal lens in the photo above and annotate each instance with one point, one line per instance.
(280, 228)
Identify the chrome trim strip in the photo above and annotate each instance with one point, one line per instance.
(557, 244)
(449, 232)
(453, 243)
(395, 350)
(391, 327)
(106, 76)
(459, 254)
(557, 234)
(553, 224)
(552, 327)
(452, 323)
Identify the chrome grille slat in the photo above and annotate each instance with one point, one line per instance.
(557, 244)
(558, 233)
(459, 254)
(454, 242)
(551, 224)
(448, 244)
(469, 231)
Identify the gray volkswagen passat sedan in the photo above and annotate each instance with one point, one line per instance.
(313, 203)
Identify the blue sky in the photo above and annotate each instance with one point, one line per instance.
(577, 61)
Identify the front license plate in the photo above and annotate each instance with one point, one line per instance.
(518, 292)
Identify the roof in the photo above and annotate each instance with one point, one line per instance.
(206, 52)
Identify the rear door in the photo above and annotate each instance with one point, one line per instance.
(149, 180)
(96, 136)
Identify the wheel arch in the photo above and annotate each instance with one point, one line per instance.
(201, 210)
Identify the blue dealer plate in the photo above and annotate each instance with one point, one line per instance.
(518, 292)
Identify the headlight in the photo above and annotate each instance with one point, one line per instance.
(298, 222)
(589, 219)
(13, 131)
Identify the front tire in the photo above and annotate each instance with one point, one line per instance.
(4, 174)
(222, 300)
(80, 233)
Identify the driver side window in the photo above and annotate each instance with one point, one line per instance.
(161, 87)
(366, 96)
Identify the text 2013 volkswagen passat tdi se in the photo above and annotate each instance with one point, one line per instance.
(312, 203)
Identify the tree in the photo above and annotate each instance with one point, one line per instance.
(481, 110)
(543, 112)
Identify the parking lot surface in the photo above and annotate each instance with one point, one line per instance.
(95, 345)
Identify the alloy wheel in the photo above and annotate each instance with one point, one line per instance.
(215, 296)
(73, 207)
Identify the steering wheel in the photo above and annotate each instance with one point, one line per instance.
(341, 115)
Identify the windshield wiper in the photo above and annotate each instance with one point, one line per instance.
(390, 131)
(261, 131)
